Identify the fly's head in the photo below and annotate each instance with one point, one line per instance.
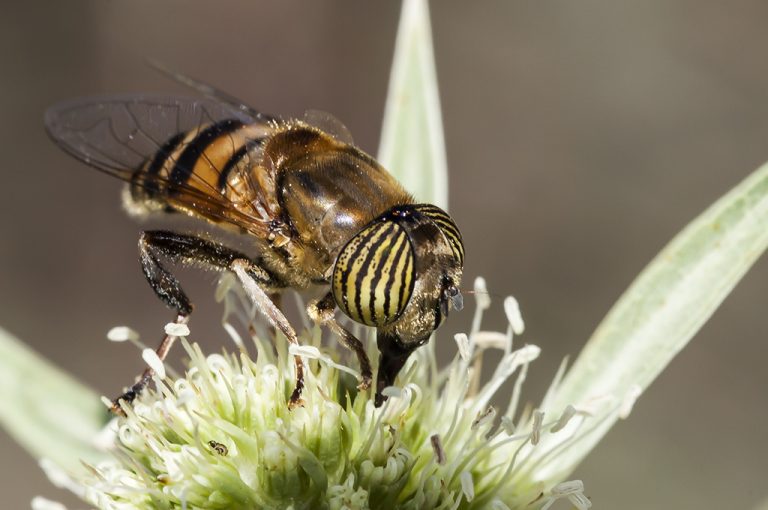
(401, 275)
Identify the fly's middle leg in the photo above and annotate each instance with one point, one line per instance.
(180, 248)
(244, 269)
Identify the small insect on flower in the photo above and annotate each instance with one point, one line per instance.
(218, 448)
(317, 210)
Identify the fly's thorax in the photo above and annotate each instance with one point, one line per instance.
(328, 191)
(400, 273)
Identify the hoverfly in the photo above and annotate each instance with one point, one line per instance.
(317, 210)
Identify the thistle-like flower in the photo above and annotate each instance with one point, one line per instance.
(223, 436)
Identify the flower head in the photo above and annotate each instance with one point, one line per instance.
(223, 435)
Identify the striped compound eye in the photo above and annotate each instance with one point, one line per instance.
(374, 274)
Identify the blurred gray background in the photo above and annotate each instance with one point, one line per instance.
(581, 135)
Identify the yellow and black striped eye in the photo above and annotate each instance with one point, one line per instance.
(447, 226)
(374, 274)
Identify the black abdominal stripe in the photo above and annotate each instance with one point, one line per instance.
(199, 159)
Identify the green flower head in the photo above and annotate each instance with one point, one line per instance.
(223, 435)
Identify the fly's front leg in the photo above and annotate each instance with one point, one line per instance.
(157, 244)
(322, 312)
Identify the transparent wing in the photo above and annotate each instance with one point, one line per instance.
(317, 118)
(329, 124)
(211, 92)
(118, 134)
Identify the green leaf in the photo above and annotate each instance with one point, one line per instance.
(45, 410)
(412, 145)
(664, 308)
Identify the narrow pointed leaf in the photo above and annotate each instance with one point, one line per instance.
(412, 145)
(665, 307)
(46, 410)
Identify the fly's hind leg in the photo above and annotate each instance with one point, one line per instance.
(146, 376)
(322, 312)
(157, 244)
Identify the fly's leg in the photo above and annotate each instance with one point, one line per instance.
(243, 269)
(157, 244)
(322, 312)
(146, 376)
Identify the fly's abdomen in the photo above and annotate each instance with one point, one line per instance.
(198, 161)
(373, 277)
